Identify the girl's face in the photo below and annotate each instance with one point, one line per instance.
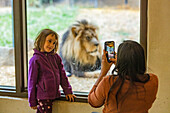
(50, 43)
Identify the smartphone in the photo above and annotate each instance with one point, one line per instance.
(110, 48)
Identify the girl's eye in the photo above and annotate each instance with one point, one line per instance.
(54, 43)
(49, 41)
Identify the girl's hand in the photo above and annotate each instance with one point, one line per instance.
(70, 97)
(34, 107)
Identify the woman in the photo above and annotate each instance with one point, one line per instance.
(130, 90)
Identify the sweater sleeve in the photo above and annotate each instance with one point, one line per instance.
(64, 80)
(153, 89)
(97, 94)
(32, 80)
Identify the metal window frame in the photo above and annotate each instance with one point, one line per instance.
(143, 24)
(20, 41)
(20, 47)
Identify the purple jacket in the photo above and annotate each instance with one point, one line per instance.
(46, 73)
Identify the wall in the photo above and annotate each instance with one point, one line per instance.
(159, 51)
(158, 62)
(18, 105)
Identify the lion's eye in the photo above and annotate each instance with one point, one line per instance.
(88, 38)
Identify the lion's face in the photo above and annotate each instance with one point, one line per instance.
(82, 44)
(90, 42)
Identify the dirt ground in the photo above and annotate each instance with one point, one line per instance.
(117, 25)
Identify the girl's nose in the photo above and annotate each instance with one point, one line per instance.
(51, 44)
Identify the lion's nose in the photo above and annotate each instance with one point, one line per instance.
(94, 41)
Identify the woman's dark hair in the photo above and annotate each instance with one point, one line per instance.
(40, 40)
(130, 60)
(130, 64)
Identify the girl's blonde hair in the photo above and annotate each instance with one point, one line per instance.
(40, 40)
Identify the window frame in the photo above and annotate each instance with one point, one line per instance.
(20, 47)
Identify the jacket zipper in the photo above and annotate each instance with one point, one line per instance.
(44, 87)
(51, 66)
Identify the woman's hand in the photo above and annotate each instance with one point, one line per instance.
(70, 97)
(114, 60)
(34, 107)
(105, 65)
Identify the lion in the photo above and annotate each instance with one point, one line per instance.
(80, 50)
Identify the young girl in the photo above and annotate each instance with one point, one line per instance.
(46, 73)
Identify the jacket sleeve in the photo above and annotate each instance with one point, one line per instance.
(32, 80)
(63, 78)
(96, 97)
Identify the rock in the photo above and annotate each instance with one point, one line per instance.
(6, 56)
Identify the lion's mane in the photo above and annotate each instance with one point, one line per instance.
(80, 48)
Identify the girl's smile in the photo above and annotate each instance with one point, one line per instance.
(50, 43)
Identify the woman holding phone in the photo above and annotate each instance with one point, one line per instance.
(130, 90)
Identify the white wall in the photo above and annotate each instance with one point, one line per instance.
(159, 51)
(18, 105)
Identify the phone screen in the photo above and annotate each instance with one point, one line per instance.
(110, 48)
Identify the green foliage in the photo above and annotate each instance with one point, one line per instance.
(57, 18)
(123, 33)
(6, 30)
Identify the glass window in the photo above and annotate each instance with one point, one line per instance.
(7, 58)
(116, 20)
